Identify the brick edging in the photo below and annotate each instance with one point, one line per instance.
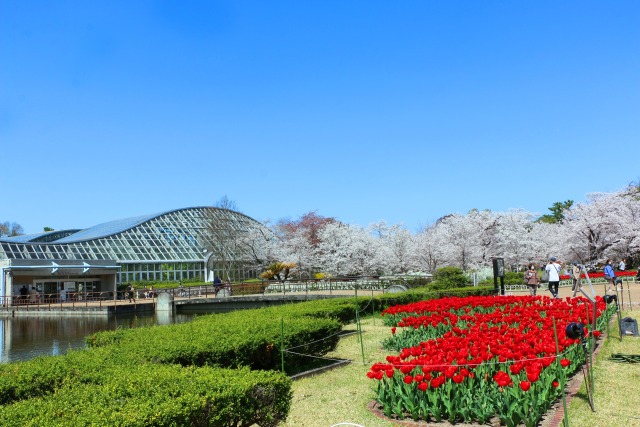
(552, 420)
(574, 385)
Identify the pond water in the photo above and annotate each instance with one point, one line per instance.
(23, 338)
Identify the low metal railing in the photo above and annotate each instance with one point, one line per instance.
(38, 300)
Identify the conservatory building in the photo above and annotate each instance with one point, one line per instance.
(182, 244)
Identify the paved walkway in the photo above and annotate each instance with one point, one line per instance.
(630, 292)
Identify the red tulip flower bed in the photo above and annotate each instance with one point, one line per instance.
(600, 275)
(472, 359)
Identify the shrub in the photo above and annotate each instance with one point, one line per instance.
(510, 278)
(449, 277)
(161, 395)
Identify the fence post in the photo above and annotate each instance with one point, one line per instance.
(282, 342)
(565, 419)
(359, 328)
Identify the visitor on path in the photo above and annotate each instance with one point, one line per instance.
(553, 270)
(531, 279)
(609, 275)
(33, 295)
(622, 265)
(63, 294)
(24, 293)
(577, 280)
(217, 285)
(131, 293)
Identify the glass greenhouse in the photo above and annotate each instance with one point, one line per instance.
(181, 244)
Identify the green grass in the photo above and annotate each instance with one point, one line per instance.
(616, 385)
(341, 395)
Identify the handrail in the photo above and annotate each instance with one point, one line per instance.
(37, 300)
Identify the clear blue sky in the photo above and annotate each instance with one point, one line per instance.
(399, 111)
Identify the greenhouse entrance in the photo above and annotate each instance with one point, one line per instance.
(36, 281)
(72, 289)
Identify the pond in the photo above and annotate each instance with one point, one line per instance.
(24, 338)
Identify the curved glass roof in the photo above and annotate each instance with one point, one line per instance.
(48, 236)
(108, 228)
(25, 238)
(178, 235)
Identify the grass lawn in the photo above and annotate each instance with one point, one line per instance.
(616, 385)
(341, 395)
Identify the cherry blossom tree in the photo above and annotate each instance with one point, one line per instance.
(429, 249)
(605, 225)
(399, 245)
(350, 250)
(461, 245)
(307, 226)
(514, 238)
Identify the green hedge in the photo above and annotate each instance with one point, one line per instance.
(242, 338)
(161, 395)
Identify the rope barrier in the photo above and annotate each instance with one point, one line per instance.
(313, 342)
(316, 357)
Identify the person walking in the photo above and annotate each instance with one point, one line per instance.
(609, 275)
(131, 293)
(531, 279)
(553, 270)
(577, 279)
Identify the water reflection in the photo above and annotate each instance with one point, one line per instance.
(23, 338)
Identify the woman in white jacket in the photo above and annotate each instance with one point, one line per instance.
(553, 269)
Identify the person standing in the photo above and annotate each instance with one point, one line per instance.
(553, 270)
(531, 279)
(33, 295)
(609, 275)
(131, 293)
(24, 293)
(622, 265)
(577, 279)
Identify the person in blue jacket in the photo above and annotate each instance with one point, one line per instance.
(609, 275)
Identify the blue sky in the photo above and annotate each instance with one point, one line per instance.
(364, 111)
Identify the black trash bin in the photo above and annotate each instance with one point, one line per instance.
(629, 327)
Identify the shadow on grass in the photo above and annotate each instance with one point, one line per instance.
(317, 365)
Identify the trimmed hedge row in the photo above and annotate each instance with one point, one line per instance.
(161, 395)
(243, 338)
